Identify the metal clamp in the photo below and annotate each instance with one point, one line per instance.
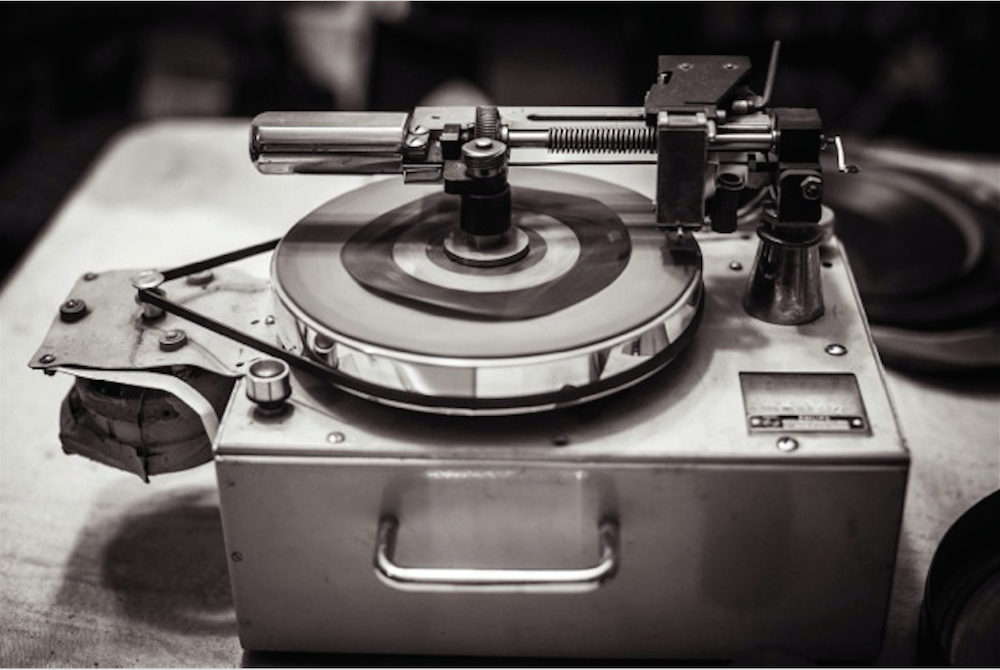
(570, 580)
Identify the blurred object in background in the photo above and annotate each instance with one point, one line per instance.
(923, 235)
(333, 42)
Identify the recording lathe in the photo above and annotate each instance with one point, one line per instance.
(495, 407)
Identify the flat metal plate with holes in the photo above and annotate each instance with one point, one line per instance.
(111, 334)
(803, 403)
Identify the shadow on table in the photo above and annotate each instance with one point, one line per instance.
(161, 563)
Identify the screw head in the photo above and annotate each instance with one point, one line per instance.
(835, 349)
(812, 188)
(787, 444)
(417, 141)
(336, 437)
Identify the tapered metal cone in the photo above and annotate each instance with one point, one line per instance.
(785, 285)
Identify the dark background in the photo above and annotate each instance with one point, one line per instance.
(74, 74)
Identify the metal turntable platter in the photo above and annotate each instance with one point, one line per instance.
(602, 299)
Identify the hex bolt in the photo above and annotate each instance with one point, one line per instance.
(72, 310)
(812, 188)
(787, 444)
(172, 340)
(835, 349)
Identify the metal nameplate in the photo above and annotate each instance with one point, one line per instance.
(803, 402)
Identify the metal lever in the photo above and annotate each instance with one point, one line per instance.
(842, 165)
(572, 580)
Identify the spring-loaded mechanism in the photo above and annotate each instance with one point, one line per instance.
(597, 139)
(487, 122)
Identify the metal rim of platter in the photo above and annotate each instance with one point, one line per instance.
(420, 330)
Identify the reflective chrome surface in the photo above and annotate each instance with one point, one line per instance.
(504, 580)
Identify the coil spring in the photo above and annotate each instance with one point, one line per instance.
(487, 122)
(602, 140)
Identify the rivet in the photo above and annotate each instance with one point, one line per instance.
(419, 130)
(736, 266)
(237, 556)
(47, 359)
(336, 437)
(90, 276)
(835, 349)
(269, 321)
(560, 440)
(685, 66)
(787, 444)
(729, 66)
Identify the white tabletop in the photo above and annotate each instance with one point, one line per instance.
(99, 568)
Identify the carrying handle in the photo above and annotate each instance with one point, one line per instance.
(503, 580)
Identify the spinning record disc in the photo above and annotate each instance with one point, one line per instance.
(601, 299)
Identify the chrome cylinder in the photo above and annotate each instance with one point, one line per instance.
(328, 142)
(268, 383)
(785, 285)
